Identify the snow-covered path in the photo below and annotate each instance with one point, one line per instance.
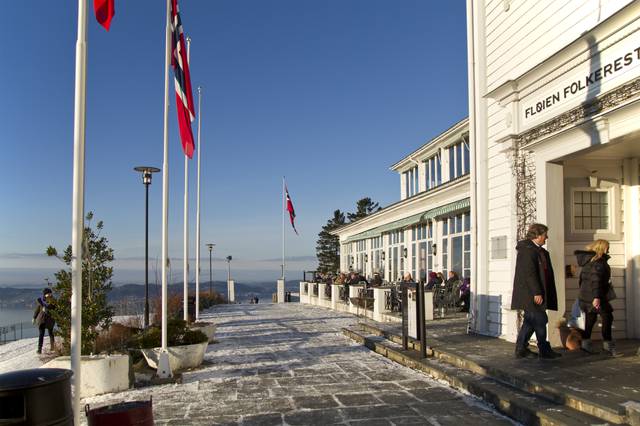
(20, 355)
(290, 364)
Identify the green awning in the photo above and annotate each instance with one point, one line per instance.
(447, 209)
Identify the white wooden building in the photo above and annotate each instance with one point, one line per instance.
(429, 228)
(554, 124)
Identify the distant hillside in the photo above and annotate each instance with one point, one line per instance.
(130, 297)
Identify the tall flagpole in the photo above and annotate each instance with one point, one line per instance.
(164, 369)
(284, 207)
(185, 251)
(77, 219)
(198, 219)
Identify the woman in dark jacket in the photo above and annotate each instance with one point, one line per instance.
(594, 286)
(42, 317)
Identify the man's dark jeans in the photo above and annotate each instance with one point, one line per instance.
(534, 321)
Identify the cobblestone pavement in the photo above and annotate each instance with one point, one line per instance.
(290, 364)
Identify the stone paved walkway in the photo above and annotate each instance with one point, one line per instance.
(290, 364)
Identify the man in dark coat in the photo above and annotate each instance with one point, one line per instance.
(534, 291)
(42, 318)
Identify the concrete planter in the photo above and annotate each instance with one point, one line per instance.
(100, 373)
(180, 357)
(208, 329)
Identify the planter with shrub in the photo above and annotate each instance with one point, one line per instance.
(186, 347)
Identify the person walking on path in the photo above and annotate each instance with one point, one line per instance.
(42, 317)
(534, 291)
(594, 288)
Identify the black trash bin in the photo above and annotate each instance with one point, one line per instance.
(191, 308)
(40, 396)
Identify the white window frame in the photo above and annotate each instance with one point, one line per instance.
(613, 197)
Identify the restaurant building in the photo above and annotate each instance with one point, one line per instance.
(429, 228)
(554, 124)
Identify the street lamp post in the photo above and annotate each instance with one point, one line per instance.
(229, 278)
(147, 172)
(210, 246)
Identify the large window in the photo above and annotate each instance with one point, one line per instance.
(456, 245)
(458, 160)
(411, 181)
(422, 261)
(361, 249)
(433, 172)
(375, 255)
(395, 258)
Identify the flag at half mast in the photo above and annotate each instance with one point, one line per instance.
(292, 212)
(182, 79)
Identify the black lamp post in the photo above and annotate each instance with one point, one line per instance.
(210, 246)
(147, 172)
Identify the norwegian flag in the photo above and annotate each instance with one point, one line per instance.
(104, 10)
(184, 97)
(292, 212)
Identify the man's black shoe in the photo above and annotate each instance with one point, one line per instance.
(549, 354)
(525, 353)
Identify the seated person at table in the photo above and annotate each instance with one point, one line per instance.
(407, 278)
(433, 281)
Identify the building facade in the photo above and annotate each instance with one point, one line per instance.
(429, 229)
(554, 106)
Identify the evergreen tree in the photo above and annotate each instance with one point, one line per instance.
(364, 207)
(328, 246)
(96, 283)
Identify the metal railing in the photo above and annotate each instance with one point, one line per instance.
(17, 331)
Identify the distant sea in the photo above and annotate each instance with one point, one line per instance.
(9, 317)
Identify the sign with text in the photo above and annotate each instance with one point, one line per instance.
(602, 72)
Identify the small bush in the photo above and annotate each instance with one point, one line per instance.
(191, 337)
(115, 339)
(208, 300)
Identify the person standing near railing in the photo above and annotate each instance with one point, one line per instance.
(42, 318)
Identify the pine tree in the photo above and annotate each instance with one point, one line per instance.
(364, 207)
(328, 246)
(96, 283)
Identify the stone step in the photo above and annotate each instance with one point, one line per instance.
(572, 400)
(522, 406)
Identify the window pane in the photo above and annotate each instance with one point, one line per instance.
(467, 259)
(467, 221)
(466, 159)
(452, 225)
(459, 223)
(586, 223)
(459, 159)
(445, 245)
(604, 222)
(445, 226)
(579, 224)
(451, 163)
(577, 197)
(467, 242)
(578, 210)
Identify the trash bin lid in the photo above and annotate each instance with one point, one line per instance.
(32, 378)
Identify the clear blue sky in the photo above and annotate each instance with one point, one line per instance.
(328, 93)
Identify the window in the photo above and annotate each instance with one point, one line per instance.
(395, 257)
(458, 160)
(422, 262)
(590, 209)
(411, 181)
(456, 244)
(433, 172)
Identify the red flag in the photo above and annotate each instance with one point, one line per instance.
(104, 10)
(292, 212)
(184, 96)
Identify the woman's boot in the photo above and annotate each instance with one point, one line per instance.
(610, 348)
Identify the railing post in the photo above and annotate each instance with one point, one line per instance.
(421, 322)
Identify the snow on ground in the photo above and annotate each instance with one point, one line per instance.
(20, 355)
(290, 364)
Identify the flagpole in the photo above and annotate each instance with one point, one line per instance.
(77, 218)
(284, 206)
(164, 369)
(198, 219)
(185, 252)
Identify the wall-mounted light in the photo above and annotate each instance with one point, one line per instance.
(434, 247)
(593, 179)
(405, 252)
(366, 257)
(382, 256)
